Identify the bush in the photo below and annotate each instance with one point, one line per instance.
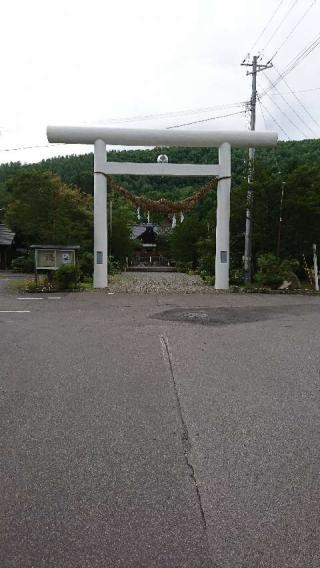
(273, 271)
(86, 265)
(114, 266)
(206, 250)
(184, 266)
(236, 277)
(66, 277)
(43, 285)
(207, 278)
(23, 264)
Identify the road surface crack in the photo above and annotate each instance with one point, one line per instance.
(186, 444)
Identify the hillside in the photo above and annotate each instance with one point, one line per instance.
(78, 170)
(286, 205)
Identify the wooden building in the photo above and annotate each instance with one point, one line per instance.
(150, 250)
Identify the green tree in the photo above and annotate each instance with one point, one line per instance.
(42, 210)
(120, 243)
(301, 211)
(184, 240)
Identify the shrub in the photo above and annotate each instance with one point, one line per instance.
(273, 271)
(208, 278)
(114, 266)
(236, 277)
(66, 277)
(184, 266)
(86, 265)
(206, 251)
(43, 285)
(23, 264)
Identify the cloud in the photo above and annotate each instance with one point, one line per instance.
(78, 62)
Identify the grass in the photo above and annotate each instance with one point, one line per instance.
(28, 285)
(19, 284)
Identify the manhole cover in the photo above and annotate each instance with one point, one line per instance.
(194, 315)
(234, 315)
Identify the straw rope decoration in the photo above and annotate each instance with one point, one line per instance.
(165, 205)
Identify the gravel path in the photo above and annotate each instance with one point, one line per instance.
(158, 283)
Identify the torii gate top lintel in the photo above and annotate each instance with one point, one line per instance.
(152, 137)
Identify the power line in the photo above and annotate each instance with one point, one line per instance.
(293, 110)
(302, 55)
(294, 3)
(264, 120)
(30, 147)
(206, 119)
(274, 119)
(293, 29)
(294, 92)
(168, 128)
(289, 119)
(267, 24)
(298, 99)
(168, 114)
(295, 61)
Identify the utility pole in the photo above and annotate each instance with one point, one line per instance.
(256, 68)
(315, 267)
(280, 219)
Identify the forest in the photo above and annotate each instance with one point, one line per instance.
(52, 201)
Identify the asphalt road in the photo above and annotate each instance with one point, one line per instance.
(170, 431)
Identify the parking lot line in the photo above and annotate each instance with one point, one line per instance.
(29, 298)
(14, 311)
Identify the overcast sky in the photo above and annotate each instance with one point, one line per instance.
(80, 62)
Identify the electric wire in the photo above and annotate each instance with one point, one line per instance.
(168, 128)
(36, 146)
(274, 120)
(187, 112)
(298, 99)
(191, 111)
(302, 55)
(295, 62)
(267, 24)
(288, 118)
(294, 3)
(293, 30)
(262, 113)
(293, 109)
(294, 92)
(206, 119)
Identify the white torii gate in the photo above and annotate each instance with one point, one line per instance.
(101, 136)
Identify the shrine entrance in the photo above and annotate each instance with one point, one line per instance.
(221, 174)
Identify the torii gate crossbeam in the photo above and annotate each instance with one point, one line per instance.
(102, 136)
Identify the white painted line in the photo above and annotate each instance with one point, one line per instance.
(54, 298)
(30, 298)
(14, 311)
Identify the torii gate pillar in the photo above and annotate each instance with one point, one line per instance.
(100, 270)
(223, 220)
